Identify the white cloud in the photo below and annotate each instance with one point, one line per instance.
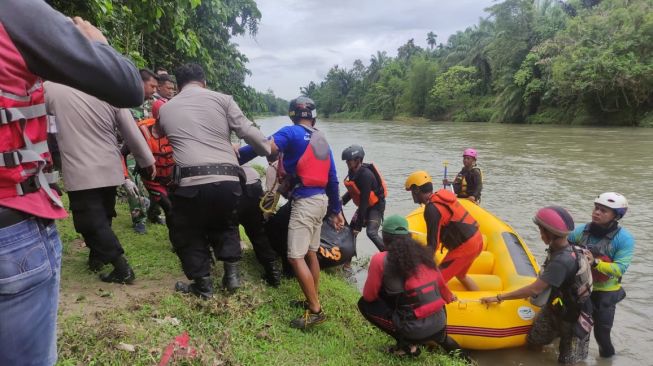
(300, 40)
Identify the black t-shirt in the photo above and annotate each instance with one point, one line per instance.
(559, 270)
(432, 217)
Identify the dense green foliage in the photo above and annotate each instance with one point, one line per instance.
(529, 61)
(163, 33)
(269, 104)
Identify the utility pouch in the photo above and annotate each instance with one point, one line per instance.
(176, 175)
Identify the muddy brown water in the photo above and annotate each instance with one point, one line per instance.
(524, 168)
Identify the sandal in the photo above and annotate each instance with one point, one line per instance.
(404, 351)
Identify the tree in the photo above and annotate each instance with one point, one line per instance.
(167, 33)
(453, 89)
(431, 39)
(606, 60)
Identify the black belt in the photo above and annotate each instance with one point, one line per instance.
(219, 169)
(9, 217)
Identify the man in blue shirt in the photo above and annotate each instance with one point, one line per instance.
(308, 176)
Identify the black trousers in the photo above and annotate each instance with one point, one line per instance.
(205, 216)
(605, 305)
(374, 220)
(251, 217)
(380, 315)
(93, 211)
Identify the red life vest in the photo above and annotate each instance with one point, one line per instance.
(314, 164)
(457, 225)
(421, 296)
(161, 149)
(375, 196)
(24, 151)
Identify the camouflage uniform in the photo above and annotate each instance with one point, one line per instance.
(138, 206)
(547, 326)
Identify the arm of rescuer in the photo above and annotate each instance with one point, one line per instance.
(135, 140)
(345, 198)
(552, 275)
(432, 218)
(445, 292)
(333, 192)
(245, 129)
(374, 280)
(57, 49)
(623, 247)
(281, 140)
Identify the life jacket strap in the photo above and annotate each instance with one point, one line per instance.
(8, 115)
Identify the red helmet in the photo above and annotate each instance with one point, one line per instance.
(470, 152)
(555, 219)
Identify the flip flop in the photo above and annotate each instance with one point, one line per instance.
(404, 351)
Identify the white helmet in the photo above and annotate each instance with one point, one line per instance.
(615, 201)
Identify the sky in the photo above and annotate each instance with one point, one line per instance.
(298, 41)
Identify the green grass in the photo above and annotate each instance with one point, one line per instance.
(249, 327)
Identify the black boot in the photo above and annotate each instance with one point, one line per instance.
(95, 264)
(231, 278)
(201, 287)
(122, 272)
(272, 273)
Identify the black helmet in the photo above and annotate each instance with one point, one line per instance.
(353, 152)
(302, 107)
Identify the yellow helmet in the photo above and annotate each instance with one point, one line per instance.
(418, 178)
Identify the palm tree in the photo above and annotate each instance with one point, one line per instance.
(431, 39)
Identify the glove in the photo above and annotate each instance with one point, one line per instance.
(130, 187)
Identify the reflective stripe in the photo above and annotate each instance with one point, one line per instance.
(14, 97)
(18, 157)
(40, 176)
(21, 113)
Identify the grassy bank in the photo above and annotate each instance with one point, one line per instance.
(98, 321)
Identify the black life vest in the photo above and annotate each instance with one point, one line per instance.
(600, 250)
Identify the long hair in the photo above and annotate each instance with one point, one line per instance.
(406, 254)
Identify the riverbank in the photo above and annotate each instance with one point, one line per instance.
(109, 324)
(548, 116)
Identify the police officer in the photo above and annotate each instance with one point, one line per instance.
(198, 123)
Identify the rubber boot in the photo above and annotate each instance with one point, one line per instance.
(122, 272)
(272, 273)
(94, 264)
(231, 278)
(201, 287)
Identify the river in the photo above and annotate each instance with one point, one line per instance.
(524, 168)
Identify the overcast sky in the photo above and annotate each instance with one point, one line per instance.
(300, 40)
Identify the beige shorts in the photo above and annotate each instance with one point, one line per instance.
(305, 225)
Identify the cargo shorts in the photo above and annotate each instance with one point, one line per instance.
(305, 225)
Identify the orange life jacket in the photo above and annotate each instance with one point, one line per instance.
(375, 196)
(161, 149)
(457, 225)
